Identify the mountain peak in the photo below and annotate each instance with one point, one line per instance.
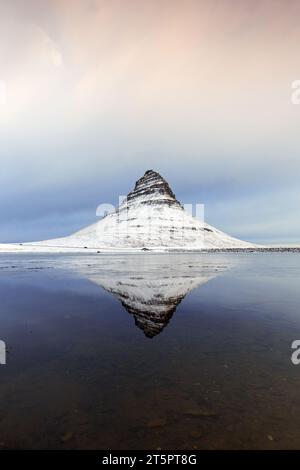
(149, 172)
(152, 188)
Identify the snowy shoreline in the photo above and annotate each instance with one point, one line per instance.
(44, 249)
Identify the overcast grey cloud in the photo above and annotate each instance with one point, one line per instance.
(98, 93)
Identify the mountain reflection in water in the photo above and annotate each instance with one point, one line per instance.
(150, 287)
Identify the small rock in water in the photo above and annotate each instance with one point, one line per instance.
(200, 412)
(196, 434)
(157, 423)
(67, 437)
(271, 438)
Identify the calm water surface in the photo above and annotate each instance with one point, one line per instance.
(188, 351)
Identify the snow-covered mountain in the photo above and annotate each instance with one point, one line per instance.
(149, 218)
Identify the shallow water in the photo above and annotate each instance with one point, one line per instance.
(149, 351)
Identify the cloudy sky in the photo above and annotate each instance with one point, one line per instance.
(95, 92)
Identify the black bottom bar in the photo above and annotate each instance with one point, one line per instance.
(135, 459)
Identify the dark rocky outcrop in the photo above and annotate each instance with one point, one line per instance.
(152, 188)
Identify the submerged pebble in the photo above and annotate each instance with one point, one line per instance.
(199, 412)
(157, 423)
